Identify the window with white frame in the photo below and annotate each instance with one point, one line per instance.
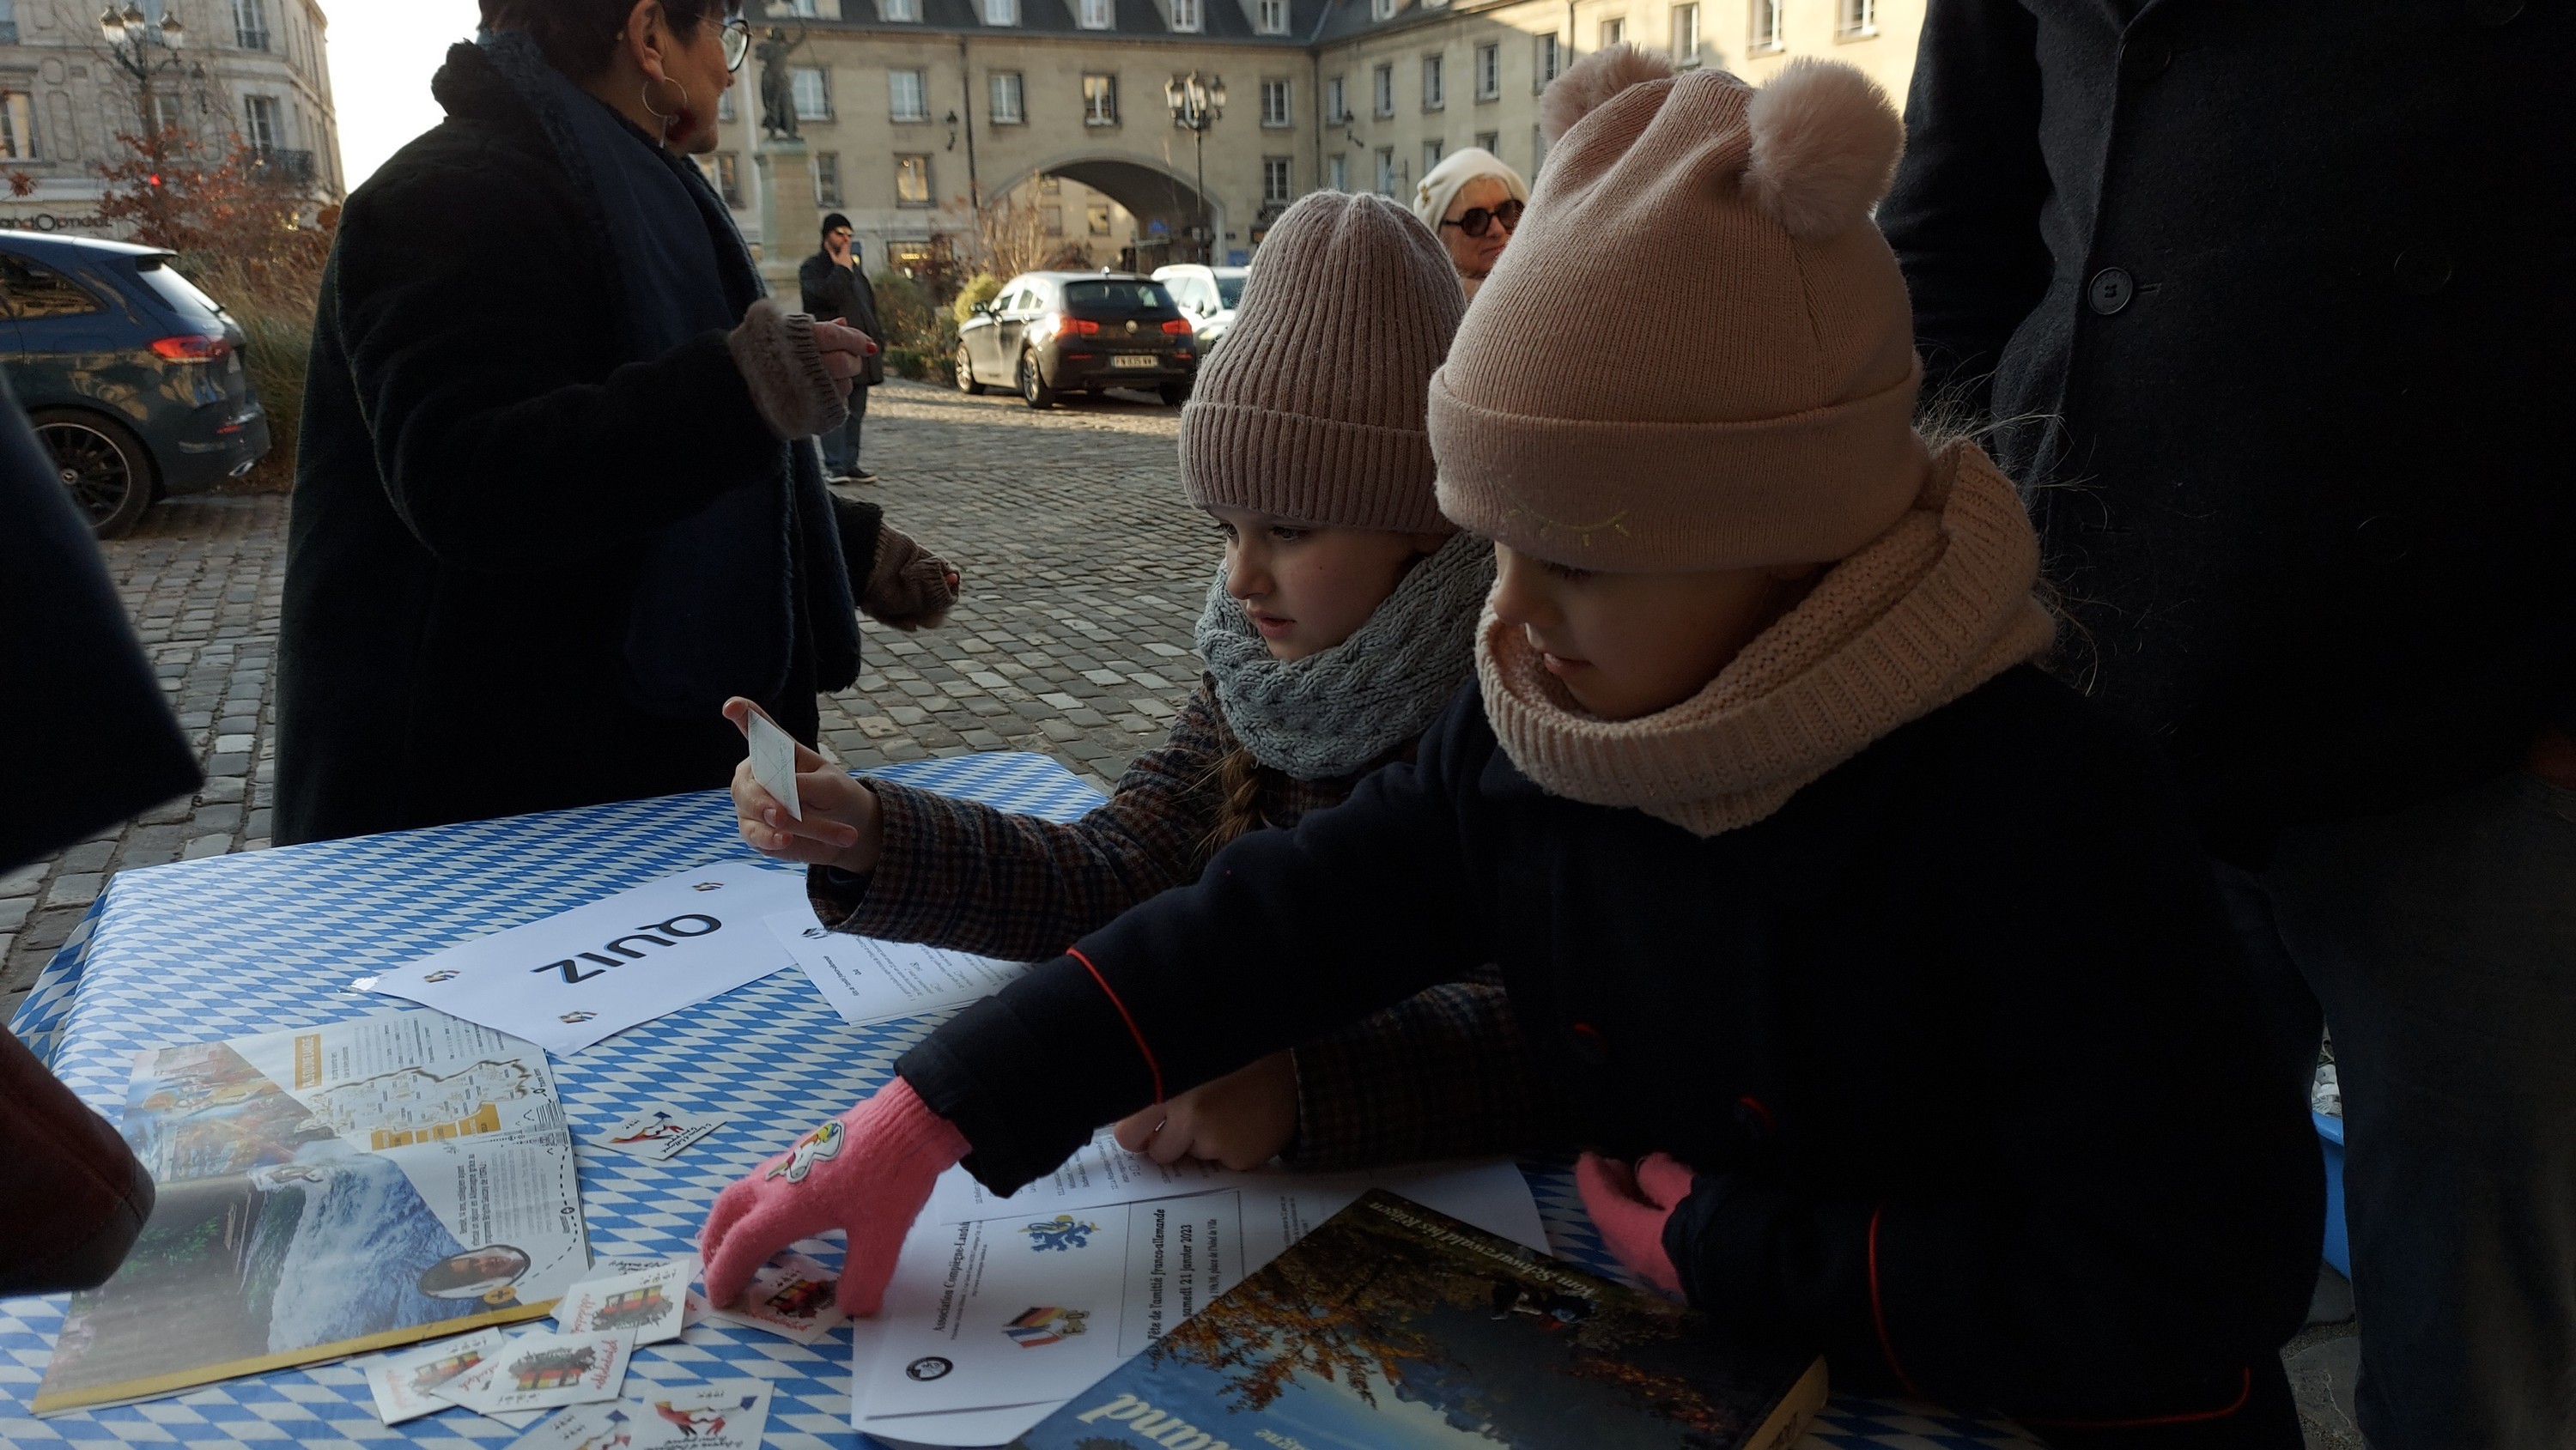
(1686, 33)
(1489, 72)
(1096, 218)
(1544, 62)
(1337, 108)
(1275, 181)
(1010, 98)
(1766, 25)
(1435, 82)
(811, 86)
(1272, 17)
(1274, 104)
(1189, 16)
(1859, 18)
(903, 10)
(1490, 141)
(907, 96)
(1099, 100)
(802, 7)
(1337, 172)
(1386, 171)
(250, 24)
(1097, 14)
(17, 126)
(1432, 151)
(168, 111)
(726, 172)
(260, 123)
(1382, 9)
(1385, 79)
(1614, 31)
(912, 181)
(827, 178)
(1001, 12)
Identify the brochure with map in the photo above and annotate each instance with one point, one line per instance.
(327, 1191)
(1396, 1327)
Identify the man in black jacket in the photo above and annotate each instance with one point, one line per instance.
(834, 282)
(2264, 298)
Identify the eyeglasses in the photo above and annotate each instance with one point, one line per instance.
(737, 42)
(1479, 221)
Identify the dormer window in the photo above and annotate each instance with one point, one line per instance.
(1189, 15)
(1098, 14)
(1001, 12)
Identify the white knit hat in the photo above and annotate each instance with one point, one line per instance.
(1441, 184)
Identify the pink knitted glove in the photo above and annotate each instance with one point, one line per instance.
(868, 1171)
(1630, 1209)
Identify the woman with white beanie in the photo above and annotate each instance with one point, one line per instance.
(1471, 201)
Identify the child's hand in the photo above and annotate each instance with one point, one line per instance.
(1242, 1120)
(841, 826)
(1631, 1209)
(868, 1172)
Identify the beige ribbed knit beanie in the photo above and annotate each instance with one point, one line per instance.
(1313, 409)
(1697, 353)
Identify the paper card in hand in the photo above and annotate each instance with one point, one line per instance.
(648, 1305)
(773, 762)
(791, 1295)
(402, 1382)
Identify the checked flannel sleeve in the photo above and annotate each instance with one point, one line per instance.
(1442, 1074)
(961, 875)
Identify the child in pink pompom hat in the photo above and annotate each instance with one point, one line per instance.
(1890, 965)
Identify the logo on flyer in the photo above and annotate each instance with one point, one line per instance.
(1062, 1233)
(1046, 1325)
(927, 1368)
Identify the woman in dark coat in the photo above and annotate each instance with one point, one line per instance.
(557, 498)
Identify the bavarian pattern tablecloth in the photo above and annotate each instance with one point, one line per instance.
(236, 945)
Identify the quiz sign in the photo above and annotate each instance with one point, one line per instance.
(572, 979)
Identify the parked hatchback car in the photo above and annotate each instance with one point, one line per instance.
(1046, 334)
(1209, 295)
(133, 378)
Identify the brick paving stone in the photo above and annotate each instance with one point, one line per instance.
(1084, 572)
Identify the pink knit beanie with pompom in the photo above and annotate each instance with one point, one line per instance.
(1697, 353)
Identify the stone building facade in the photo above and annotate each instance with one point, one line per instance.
(917, 113)
(252, 69)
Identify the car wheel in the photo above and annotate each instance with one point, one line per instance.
(1174, 394)
(1033, 386)
(102, 465)
(966, 373)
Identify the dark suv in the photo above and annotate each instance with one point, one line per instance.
(133, 377)
(1052, 333)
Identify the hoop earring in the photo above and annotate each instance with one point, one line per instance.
(644, 95)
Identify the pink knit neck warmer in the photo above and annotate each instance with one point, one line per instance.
(1931, 609)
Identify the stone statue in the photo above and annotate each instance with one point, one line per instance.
(777, 87)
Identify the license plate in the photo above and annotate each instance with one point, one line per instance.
(1137, 360)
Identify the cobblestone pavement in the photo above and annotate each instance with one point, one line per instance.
(1083, 574)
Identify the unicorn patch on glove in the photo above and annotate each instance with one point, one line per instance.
(824, 1142)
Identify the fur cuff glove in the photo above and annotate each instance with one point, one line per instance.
(909, 588)
(789, 384)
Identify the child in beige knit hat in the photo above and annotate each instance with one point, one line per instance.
(1341, 620)
(1894, 966)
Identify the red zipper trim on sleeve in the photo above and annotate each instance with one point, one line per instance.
(1125, 1016)
(1878, 1312)
(2244, 1392)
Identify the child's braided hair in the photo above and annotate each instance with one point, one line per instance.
(1242, 784)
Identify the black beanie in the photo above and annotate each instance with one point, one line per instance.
(835, 222)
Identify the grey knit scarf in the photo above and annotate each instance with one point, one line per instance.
(1332, 713)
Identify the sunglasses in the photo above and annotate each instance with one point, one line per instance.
(1479, 221)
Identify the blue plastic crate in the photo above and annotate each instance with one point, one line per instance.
(2338, 1245)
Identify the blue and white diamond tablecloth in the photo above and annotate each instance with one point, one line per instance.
(235, 945)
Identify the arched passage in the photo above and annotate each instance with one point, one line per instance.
(1169, 211)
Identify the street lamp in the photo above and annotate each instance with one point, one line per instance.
(130, 35)
(1197, 102)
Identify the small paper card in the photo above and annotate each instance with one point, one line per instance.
(773, 762)
(726, 1415)
(649, 1304)
(791, 1296)
(588, 1427)
(541, 1371)
(658, 1133)
(402, 1383)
